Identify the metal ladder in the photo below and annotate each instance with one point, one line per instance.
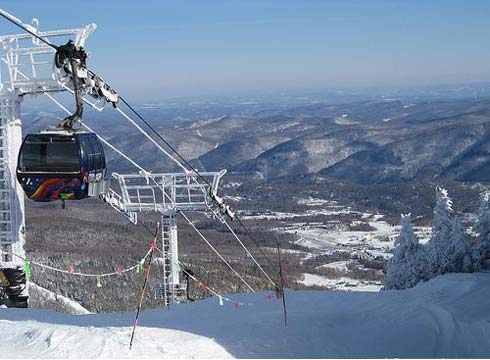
(167, 265)
(6, 235)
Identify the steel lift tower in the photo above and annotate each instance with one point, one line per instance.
(166, 194)
(28, 68)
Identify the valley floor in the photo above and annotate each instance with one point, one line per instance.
(446, 317)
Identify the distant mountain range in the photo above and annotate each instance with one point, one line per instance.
(375, 141)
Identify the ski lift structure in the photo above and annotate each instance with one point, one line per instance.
(33, 67)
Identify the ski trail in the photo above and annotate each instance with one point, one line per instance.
(448, 316)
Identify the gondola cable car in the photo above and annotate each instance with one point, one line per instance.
(63, 163)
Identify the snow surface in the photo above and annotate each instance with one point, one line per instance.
(446, 317)
(340, 266)
(343, 229)
(322, 239)
(311, 201)
(49, 298)
(319, 239)
(342, 283)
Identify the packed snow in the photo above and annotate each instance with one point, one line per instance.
(448, 316)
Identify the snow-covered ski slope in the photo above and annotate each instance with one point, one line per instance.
(446, 317)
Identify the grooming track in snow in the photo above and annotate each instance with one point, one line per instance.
(446, 317)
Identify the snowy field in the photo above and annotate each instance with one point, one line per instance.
(320, 238)
(446, 317)
(343, 283)
(373, 240)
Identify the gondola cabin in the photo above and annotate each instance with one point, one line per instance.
(55, 165)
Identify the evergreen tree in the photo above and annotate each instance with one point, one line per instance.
(481, 249)
(458, 252)
(440, 240)
(405, 269)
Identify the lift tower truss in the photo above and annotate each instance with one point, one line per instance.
(27, 68)
(166, 194)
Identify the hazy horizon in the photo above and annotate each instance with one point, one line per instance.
(171, 49)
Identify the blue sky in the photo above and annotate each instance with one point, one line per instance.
(178, 48)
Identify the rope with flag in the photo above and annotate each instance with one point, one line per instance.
(153, 246)
(71, 270)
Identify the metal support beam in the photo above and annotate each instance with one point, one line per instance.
(173, 291)
(12, 221)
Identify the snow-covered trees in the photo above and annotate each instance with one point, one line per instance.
(439, 256)
(481, 249)
(458, 251)
(406, 267)
(448, 249)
